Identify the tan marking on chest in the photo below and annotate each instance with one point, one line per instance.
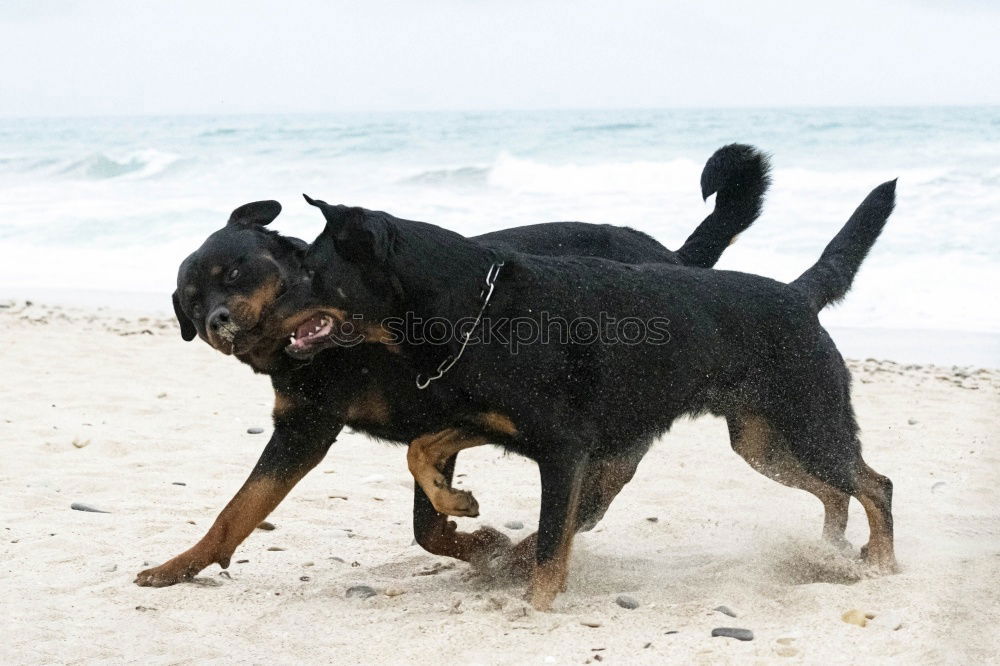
(498, 423)
(283, 404)
(371, 407)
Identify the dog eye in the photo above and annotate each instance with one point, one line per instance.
(233, 274)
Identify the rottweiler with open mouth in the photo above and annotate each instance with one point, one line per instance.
(229, 291)
(740, 346)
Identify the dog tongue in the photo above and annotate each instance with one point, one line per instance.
(308, 328)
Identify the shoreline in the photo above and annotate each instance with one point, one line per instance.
(940, 347)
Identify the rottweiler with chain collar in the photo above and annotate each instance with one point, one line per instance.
(227, 295)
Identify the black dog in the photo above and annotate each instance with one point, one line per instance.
(227, 289)
(740, 346)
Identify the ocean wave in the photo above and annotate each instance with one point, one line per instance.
(221, 131)
(138, 164)
(611, 127)
(467, 175)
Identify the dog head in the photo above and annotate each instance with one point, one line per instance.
(346, 272)
(367, 269)
(226, 287)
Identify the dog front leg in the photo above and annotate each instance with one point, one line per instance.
(557, 521)
(288, 456)
(426, 458)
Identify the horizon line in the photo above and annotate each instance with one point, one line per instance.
(472, 110)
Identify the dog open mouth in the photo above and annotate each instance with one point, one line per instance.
(319, 331)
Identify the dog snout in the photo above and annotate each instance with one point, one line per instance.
(221, 324)
(219, 319)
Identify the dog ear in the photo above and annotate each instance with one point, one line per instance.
(357, 234)
(188, 331)
(336, 217)
(258, 212)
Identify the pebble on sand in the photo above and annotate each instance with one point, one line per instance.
(854, 616)
(80, 506)
(593, 624)
(514, 525)
(394, 591)
(725, 610)
(626, 601)
(733, 632)
(254, 430)
(360, 592)
(265, 525)
(653, 519)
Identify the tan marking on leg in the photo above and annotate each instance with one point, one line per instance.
(768, 454)
(549, 578)
(425, 458)
(254, 501)
(875, 495)
(444, 539)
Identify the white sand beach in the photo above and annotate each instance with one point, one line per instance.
(118, 413)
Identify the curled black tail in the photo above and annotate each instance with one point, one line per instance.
(740, 175)
(830, 278)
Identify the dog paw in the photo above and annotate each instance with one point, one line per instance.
(457, 503)
(170, 573)
(883, 563)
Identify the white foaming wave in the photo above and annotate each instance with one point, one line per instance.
(522, 175)
(137, 164)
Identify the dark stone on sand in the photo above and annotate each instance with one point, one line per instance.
(177, 483)
(304, 579)
(653, 519)
(266, 526)
(80, 506)
(911, 421)
(254, 430)
(360, 592)
(733, 632)
(626, 601)
(514, 525)
(725, 610)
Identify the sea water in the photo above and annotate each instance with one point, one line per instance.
(115, 204)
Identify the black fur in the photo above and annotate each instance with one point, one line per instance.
(743, 347)
(325, 393)
(830, 278)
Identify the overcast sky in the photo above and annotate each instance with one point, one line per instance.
(69, 57)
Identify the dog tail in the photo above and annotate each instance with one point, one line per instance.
(738, 175)
(830, 278)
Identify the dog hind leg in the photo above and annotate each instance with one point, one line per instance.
(875, 494)
(767, 452)
(440, 536)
